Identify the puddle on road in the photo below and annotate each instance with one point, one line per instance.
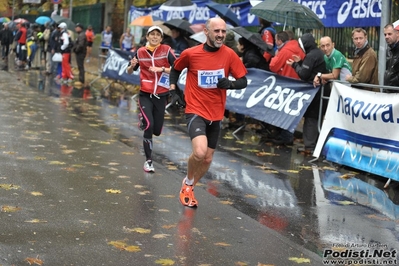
(315, 205)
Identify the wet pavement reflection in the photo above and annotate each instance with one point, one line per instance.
(314, 204)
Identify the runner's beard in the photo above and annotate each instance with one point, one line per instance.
(216, 44)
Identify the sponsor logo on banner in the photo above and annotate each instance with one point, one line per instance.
(347, 13)
(360, 131)
(318, 7)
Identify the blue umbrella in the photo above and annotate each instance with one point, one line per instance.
(42, 20)
(224, 12)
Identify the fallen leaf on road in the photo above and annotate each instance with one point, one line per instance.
(6, 208)
(146, 192)
(165, 262)
(250, 196)
(113, 191)
(346, 176)
(262, 153)
(299, 260)
(293, 171)
(36, 221)
(68, 151)
(8, 186)
(345, 202)
(32, 261)
(35, 193)
(121, 245)
(168, 226)
(160, 236)
(167, 196)
(373, 216)
(226, 202)
(222, 244)
(171, 167)
(141, 230)
(56, 163)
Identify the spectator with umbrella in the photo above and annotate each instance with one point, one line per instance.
(278, 64)
(179, 41)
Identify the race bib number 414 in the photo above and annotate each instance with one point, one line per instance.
(207, 79)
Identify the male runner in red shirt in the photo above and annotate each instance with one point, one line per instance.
(208, 68)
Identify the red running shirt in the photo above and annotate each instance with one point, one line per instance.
(203, 70)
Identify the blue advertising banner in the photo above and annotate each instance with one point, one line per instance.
(270, 98)
(115, 67)
(347, 13)
(198, 15)
(333, 14)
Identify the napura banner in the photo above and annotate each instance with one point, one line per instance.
(360, 130)
(270, 98)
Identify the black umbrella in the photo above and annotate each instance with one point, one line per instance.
(254, 38)
(224, 12)
(180, 24)
(178, 5)
(58, 19)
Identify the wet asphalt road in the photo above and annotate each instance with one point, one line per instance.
(259, 204)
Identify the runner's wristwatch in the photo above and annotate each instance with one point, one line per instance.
(163, 69)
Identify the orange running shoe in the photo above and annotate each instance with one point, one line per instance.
(187, 195)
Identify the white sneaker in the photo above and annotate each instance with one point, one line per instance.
(148, 166)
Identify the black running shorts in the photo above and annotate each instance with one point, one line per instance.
(198, 126)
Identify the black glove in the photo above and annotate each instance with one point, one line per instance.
(224, 83)
(175, 99)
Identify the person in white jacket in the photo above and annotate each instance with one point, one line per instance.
(66, 48)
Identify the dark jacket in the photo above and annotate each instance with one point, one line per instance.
(180, 44)
(80, 44)
(391, 76)
(7, 37)
(53, 43)
(308, 69)
(252, 57)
